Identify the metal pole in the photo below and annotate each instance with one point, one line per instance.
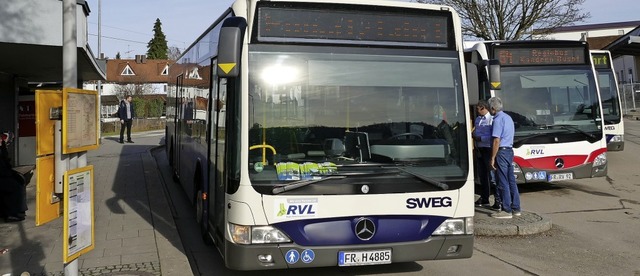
(70, 79)
(99, 81)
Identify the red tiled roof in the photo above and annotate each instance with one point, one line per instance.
(149, 71)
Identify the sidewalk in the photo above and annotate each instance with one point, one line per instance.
(134, 228)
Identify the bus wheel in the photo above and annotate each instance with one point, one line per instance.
(201, 218)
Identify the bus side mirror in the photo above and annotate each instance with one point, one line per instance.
(493, 68)
(472, 83)
(230, 46)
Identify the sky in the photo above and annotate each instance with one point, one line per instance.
(127, 25)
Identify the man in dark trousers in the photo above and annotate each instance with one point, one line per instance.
(126, 114)
(482, 136)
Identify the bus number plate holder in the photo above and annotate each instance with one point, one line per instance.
(370, 257)
(561, 176)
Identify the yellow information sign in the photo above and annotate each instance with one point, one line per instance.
(79, 120)
(79, 227)
(46, 209)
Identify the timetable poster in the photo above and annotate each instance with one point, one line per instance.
(79, 212)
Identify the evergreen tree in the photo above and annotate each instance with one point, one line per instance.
(157, 47)
(118, 55)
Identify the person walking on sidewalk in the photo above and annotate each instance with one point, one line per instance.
(502, 160)
(482, 132)
(126, 114)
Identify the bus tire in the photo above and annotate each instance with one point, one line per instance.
(201, 215)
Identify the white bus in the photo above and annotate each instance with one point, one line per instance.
(549, 89)
(610, 96)
(326, 133)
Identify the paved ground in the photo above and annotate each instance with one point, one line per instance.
(135, 230)
(135, 233)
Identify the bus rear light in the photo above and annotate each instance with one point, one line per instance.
(600, 160)
(256, 235)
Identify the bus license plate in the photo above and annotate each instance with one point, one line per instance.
(561, 176)
(372, 257)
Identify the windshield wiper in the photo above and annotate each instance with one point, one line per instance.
(429, 180)
(575, 129)
(301, 183)
(517, 143)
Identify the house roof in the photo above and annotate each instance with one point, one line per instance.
(628, 44)
(144, 70)
(598, 43)
(599, 26)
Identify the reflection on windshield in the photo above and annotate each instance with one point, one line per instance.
(315, 115)
(539, 97)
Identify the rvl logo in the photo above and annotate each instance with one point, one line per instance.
(306, 209)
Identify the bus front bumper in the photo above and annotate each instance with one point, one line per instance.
(530, 175)
(254, 257)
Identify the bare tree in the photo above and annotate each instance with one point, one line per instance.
(133, 89)
(513, 19)
(174, 53)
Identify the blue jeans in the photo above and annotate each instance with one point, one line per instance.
(507, 181)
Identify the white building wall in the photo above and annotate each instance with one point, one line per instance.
(37, 22)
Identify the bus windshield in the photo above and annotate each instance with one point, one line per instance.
(544, 100)
(327, 113)
(609, 95)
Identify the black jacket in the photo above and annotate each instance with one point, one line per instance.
(122, 110)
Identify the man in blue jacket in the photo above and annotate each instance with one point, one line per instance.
(126, 114)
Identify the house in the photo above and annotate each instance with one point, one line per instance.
(140, 77)
(622, 39)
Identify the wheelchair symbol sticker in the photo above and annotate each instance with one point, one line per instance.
(307, 256)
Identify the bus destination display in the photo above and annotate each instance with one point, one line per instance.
(343, 26)
(601, 61)
(540, 56)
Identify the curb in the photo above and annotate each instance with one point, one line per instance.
(527, 224)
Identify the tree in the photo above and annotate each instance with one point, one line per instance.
(118, 55)
(174, 53)
(513, 20)
(133, 89)
(157, 46)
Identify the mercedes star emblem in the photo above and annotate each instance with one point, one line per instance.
(365, 229)
(559, 163)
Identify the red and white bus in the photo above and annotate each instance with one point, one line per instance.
(610, 96)
(550, 90)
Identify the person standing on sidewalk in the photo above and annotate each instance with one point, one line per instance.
(13, 192)
(126, 114)
(502, 160)
(482, 136)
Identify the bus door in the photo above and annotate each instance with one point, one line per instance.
(217, 157)
(177, 144)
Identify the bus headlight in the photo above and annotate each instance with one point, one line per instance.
(457, 226)
(600, 160)
(242, 234)
(617, 138)
(516, 168)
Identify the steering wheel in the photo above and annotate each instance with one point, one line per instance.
(405, 135)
